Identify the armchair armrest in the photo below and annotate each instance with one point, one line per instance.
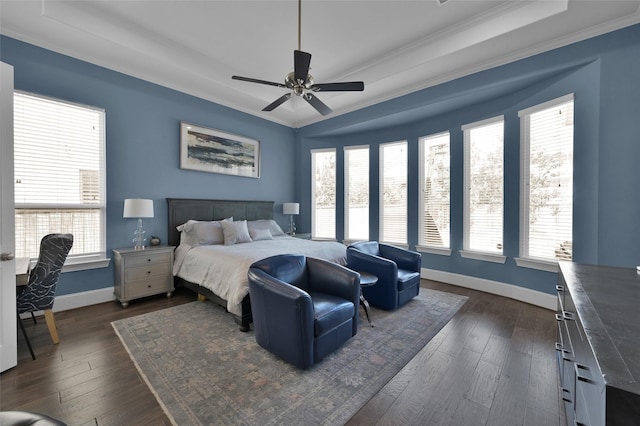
(334, 279)
(405, 259)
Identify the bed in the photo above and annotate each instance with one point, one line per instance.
(217, 271)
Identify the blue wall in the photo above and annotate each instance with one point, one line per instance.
(143, 145)
(602, 73)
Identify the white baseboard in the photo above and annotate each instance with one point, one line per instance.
(85, 298)
(79, 300)
(533, 297)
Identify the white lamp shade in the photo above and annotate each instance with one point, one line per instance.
(138, 207)
(291, 208)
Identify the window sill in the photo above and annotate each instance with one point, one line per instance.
(486, 257)
(81, 264)
(434, 250)
(542, 265)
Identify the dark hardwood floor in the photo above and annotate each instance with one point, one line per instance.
(492, 364)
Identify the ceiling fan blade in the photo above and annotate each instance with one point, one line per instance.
(275, 104)
(317, 104)
(254, 80)
(301, 62)
(351, 86)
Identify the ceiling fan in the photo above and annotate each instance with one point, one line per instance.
(301, 82)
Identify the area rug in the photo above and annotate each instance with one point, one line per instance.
(204, 371)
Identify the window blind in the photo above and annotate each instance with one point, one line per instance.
(393, 196)
(547, 180)
(59, 173)
(484, 181)
(356, 180)
(435, 190)
(323, 169)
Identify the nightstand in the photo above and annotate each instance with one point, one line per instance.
(141, 273)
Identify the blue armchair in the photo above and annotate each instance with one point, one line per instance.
(303, 308)
(397, 269)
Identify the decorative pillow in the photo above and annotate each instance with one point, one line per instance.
(235, 232)
(260, 234)
(200, 233)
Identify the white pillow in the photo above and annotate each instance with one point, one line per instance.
(260, 234)
(269, 224)
(235, 232)
(200, 233)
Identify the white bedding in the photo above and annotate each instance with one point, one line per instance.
(223, 269)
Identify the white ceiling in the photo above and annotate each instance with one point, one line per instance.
(395, 47)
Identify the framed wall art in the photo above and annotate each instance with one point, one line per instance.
(215, 151)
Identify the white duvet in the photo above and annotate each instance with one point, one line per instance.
(223, 269)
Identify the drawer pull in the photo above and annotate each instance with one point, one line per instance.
(559, 317)
(568, 315)
(558, 346)
(559, 288)
(148, 260)
(566, 398)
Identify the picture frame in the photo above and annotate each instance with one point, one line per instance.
(215, 151)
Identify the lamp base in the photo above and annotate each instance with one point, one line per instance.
(292, 226)
(138, 237)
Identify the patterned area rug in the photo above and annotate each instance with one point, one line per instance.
(203, 370)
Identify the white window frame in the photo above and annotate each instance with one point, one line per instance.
(524, 259)
(81, 261)
(404, 243)
(422, 246)
(347, 174)
(466, 252)
(313, 193)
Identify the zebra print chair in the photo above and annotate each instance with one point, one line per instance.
(39, 293)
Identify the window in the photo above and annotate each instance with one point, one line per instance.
(434, 191)
(356, 194)
(393, 194)
(323, 193)
(546, 203)
(59, 175)
(483, 190)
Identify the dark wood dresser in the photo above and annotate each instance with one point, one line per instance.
(598, 344)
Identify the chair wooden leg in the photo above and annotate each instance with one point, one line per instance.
(51, 324)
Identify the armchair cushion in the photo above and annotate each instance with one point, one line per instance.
(329, 312)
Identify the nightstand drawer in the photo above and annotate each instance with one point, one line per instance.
(147, 271)
(141, 288)
(148, 258)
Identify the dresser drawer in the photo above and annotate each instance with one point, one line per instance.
(141, 288)
(147, 271)
(146, 259)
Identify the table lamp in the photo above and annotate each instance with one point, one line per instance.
(138, 208)
(291, 209)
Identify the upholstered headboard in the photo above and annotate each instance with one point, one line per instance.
(183, 209)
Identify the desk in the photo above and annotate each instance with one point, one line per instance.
(22, 271)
